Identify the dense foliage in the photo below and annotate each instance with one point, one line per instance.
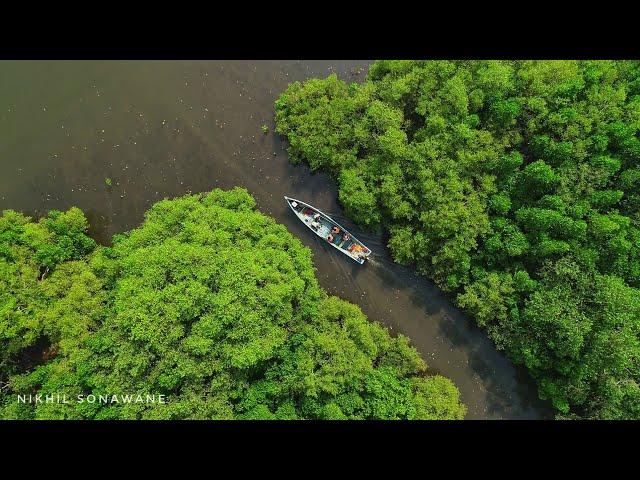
(209, 303)
(515, 185)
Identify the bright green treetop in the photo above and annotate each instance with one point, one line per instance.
(217, 307)
(484, 170)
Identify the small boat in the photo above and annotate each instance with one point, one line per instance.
(329, 230)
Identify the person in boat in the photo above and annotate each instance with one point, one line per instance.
(346, 236)
(335, 230)
(330, 238)
(315, 223)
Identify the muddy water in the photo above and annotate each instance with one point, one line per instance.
(161, 129)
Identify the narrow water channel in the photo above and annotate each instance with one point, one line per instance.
(165, 128)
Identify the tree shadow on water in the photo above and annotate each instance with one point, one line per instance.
(508, 389)
(98, 226)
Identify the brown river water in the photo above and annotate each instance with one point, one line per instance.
(165, 128)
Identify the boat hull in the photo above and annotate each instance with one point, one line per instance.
(321, 224)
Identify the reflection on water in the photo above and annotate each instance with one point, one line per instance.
(162, 129)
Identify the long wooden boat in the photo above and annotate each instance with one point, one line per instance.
(329, 230)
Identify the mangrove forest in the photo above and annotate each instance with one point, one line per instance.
(209, 307)
(515, 186)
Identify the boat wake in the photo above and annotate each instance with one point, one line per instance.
(380, 260)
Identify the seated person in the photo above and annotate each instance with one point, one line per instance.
(330, 238)
(315, 224)
(346, 237)
(335, 230)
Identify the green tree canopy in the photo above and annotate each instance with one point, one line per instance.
(482, 171)
(209, 303)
